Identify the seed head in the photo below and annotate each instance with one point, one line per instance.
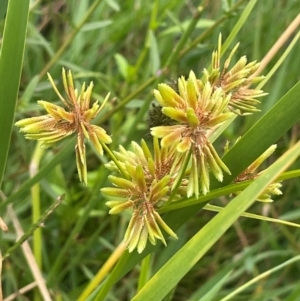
(236, 81)
(144, 187)
(251, 173)
(198, 109)
(61, 122)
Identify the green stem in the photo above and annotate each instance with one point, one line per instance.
(145, 272)
(151, 26)
(91, 203)
(260, 277)
(280, 61)
(69, 39)
(36, 205)
(289, 175)
(109, 263)
(175, 53)
(40, 175)
(113, 157)
(289, 236)
(36, 210)
(178, 180)
(174, 56)
(242, 19)
(226, 190)
(208, 31)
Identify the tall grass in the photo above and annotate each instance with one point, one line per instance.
(127, 48)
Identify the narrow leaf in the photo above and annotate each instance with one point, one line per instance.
(196, 247)
(11, 61)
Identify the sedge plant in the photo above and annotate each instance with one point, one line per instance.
(146, 180)
(159, 181)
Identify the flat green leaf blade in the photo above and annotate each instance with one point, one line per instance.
(96, 25)
(266, 131)
(173, 271)
(122, 65)
(244, 16)
(263, 134)
(11, 60)
(154, 53)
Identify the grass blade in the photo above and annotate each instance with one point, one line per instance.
(264, 133)
(68, 147)
(11, 61)
(261, 276)
(171, 273)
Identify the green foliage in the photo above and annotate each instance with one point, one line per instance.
(11, 58)
(127, 48)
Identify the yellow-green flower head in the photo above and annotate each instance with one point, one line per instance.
(164, 161)
(197, 108)
(251, 173)
(236, 81)
(60, 123)
(145, 186)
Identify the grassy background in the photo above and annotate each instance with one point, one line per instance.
(123, 46)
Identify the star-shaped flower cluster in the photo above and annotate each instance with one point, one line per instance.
(181, 161)
(60, 123)
(236, 81)
(199, 107)
(144, 186)
(251, 173)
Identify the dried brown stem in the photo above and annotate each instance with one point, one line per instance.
(280, 42)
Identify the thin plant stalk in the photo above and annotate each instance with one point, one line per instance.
(172, 58)
(280, 61)
(293, 26)
(36, 272)
(214, 208)
(237, 27)
(208, 31)
(145, 50)
(226, 190)
(36, 203)
(33, 227)
(36, 209)
(22, 241)
(69, 39)
(21, 291)
(260, 277)
(103, 271)
(145, 272)
(91, 203)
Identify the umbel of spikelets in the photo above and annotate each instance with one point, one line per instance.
(144, 186)
(74, 117)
